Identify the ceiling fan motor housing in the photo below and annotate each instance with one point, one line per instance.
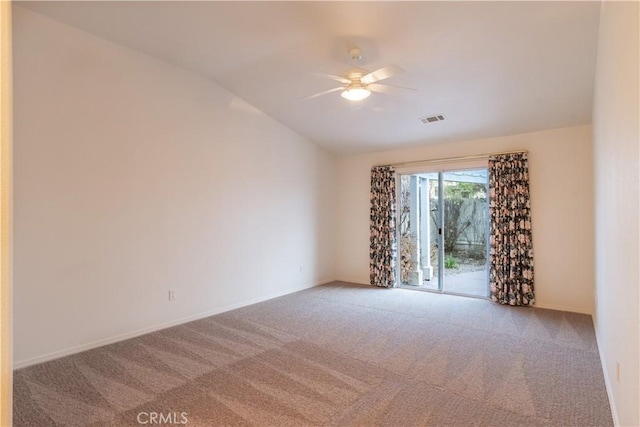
(355, 74)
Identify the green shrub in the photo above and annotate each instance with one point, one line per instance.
(450, 262)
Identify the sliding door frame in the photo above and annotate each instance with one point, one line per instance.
(440, 169)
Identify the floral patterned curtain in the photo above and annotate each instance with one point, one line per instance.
(511, 248)
(382, 249)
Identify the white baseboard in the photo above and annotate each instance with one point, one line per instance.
(99, 343)
(325, 281)
(360, 281)
(565, 308)
(352, 280)
(607, 380)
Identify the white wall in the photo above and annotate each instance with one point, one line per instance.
(560, 165)
(616, 137)
(133, 177)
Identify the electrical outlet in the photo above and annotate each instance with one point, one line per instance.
(172, 294)
(617, 371)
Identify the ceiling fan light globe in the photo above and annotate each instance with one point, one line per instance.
(356, 94)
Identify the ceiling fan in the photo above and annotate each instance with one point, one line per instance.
(358, 83)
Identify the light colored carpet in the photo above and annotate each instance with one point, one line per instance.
(335, 355)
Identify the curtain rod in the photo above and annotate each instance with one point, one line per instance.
(452, 159)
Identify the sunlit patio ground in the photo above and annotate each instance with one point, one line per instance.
(467, 283)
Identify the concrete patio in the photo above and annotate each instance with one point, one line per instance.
(473, 283)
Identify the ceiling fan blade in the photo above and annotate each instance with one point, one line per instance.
(335, 89)
(388, 89)
(332, 77)
(381, 74)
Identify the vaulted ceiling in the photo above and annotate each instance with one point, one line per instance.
(491, 68)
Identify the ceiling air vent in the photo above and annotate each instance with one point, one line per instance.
(432, 119)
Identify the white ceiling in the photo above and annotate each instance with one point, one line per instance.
(492, 68)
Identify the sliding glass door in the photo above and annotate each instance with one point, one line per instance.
(443, 229)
